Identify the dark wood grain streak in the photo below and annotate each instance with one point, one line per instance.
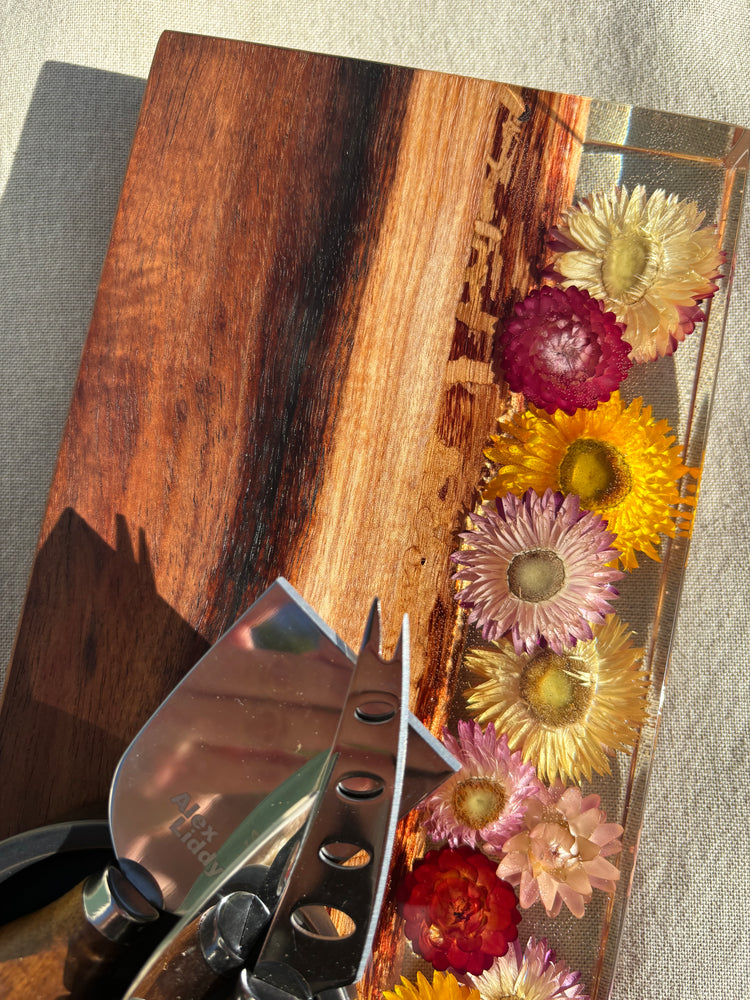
(311, 317)
(206, 387)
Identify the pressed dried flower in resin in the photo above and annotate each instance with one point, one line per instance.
(619, 461)
(647, 259)
(566, 712)
(484, 802)
(531, 973)
(458, 914)
(538, 567)
(561, 854)
(563, 351)
(444, 986)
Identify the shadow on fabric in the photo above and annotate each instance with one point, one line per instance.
(55, 218)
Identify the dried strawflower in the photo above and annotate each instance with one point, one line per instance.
(458, 914)
(561, 854)
(444, 986)
(563, 350)
(484, 802)
(647, 259)
(537, 566)
(619, 461)
(529, 974)
(564, 711)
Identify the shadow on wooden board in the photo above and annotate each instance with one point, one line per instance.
(96, 636)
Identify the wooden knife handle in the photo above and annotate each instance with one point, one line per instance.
(60, 952)
(201, 959)
(180, 971)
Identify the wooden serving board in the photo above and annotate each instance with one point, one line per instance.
(290, 371)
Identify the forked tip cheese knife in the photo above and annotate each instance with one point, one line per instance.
(339, 867)
(225, 768)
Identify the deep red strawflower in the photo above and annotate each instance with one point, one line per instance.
(563, 351)
(459, 915)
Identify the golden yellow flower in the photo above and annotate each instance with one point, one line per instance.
(616, 458)
(444, 986)
(646, 259)
(565, 712)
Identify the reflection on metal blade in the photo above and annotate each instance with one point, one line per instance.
(262, 702)
(345, 854)
(230, 763)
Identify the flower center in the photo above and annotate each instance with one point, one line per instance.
(567, 350)
(536, 575)
(477, 802)
(629, 266)
(596, 472)
(554, 689)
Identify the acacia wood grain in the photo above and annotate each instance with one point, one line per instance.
(290, 371)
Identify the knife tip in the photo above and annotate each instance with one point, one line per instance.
(371, 638)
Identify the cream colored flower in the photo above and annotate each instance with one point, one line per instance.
(646, 259)
(566, 712)
(531, 973)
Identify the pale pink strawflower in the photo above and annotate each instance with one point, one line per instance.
(537, 567)
(532, 973)
(483, 804)
(561, 854)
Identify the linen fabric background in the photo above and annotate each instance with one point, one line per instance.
(71, 78)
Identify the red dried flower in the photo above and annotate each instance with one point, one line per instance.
(458, 913)
(563, 351)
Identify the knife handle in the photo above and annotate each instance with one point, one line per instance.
(181, 971)
(64, 949)
(201, 958)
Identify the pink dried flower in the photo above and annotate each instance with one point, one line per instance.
(530, 974)
(539, 567)
(484, 802)
(561, 854)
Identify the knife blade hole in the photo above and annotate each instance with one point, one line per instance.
(343, 855)
(360, 786)
(375, 712)
(325, 923)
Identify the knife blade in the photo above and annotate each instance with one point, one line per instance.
(358, 806)
(341, 863)
(260, 707)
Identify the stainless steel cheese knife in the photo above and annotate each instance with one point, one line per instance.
(339, 866)
(197, 789)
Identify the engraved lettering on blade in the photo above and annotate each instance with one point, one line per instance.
(192, 829)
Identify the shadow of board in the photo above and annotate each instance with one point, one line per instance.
(56, 215)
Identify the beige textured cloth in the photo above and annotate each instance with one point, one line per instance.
(71, 79)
